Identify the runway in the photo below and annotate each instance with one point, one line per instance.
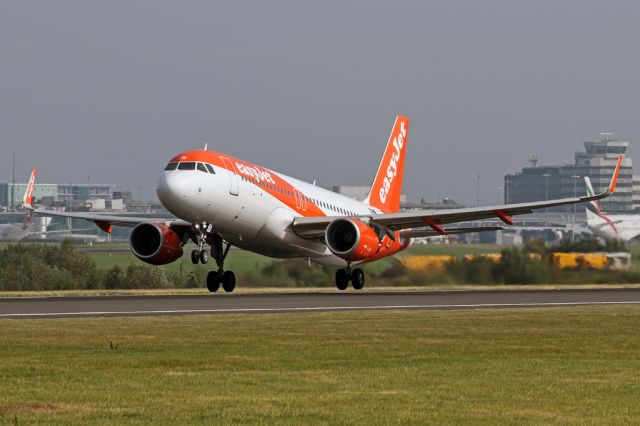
(307, 302)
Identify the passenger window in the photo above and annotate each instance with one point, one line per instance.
(187, 166)
(202, 168)
(210, 168)
(171, 166)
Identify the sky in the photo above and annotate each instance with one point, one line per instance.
(108, 91)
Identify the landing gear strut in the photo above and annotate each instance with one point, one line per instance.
(214, 278)
(343, 276)
(200, 255)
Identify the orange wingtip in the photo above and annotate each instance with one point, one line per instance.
(614, 178)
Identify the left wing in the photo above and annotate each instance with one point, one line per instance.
(437, 219)
(105, 222)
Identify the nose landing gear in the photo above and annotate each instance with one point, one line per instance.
(356, 276)
(200, 255)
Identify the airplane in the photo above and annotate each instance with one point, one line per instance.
(625, 227)
(220, 201)
(15, 232)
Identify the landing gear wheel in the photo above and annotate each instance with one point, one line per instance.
(195, 257)
(204, 257)
(228, 281)
(342, 279)
(357, 279)
(213, 281)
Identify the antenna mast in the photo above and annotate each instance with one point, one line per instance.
(13, 190)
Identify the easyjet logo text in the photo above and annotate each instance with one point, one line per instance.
(255, 173)
(392, 167)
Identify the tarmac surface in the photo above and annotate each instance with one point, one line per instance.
(307, 302)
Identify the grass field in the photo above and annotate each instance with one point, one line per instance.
(551, 366)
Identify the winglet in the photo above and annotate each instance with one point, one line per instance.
(614, 178)
(28, 195)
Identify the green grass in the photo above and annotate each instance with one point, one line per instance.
(241, 260)
(237, 260)
(551, 366)
(247, 265)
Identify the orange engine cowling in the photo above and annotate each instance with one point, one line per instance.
(155, 243)
(351, 239)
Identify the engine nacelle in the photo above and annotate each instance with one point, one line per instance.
(155, 243)
(351, 239)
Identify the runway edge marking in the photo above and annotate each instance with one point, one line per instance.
(315, 308)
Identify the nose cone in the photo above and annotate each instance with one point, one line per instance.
(173, 190)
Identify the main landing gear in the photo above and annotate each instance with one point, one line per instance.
(215, 278)
(343, 276)
(200, 255)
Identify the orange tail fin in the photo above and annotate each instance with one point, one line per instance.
(387, 185)
(28, 195)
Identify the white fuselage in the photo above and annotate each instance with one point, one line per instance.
(623, 227)
(14, 232)
(250, 216)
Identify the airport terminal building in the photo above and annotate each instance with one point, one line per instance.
(598, 161)
(13, 193)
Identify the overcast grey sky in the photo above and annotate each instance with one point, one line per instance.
(113, 89)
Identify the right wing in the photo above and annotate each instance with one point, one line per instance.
(313, 227)
(421, 233)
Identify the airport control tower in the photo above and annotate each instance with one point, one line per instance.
(598, 161)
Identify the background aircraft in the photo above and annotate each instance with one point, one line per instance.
(14, 232)
(625, 227)
(222, 201)
(28, 230)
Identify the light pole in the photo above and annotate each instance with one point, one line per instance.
(507, 182)
(478, 189)
(546, 194)
(13, 191)
(498, 197)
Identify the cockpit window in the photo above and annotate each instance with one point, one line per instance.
(187, 166)
(202, 168)
(171, 166)
(210, 168)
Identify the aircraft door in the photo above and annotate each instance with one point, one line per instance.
(301, 202)
(233, 176)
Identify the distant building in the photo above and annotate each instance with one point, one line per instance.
(598, 161)
(359, 192)
(446, 204)
(85, 191)
(40, 191)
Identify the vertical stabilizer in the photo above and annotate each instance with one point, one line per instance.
(28, 198)
(387, 185)
(594, 204)
(28, 195)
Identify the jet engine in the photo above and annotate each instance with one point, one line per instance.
(351, 239)
(155, 243)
